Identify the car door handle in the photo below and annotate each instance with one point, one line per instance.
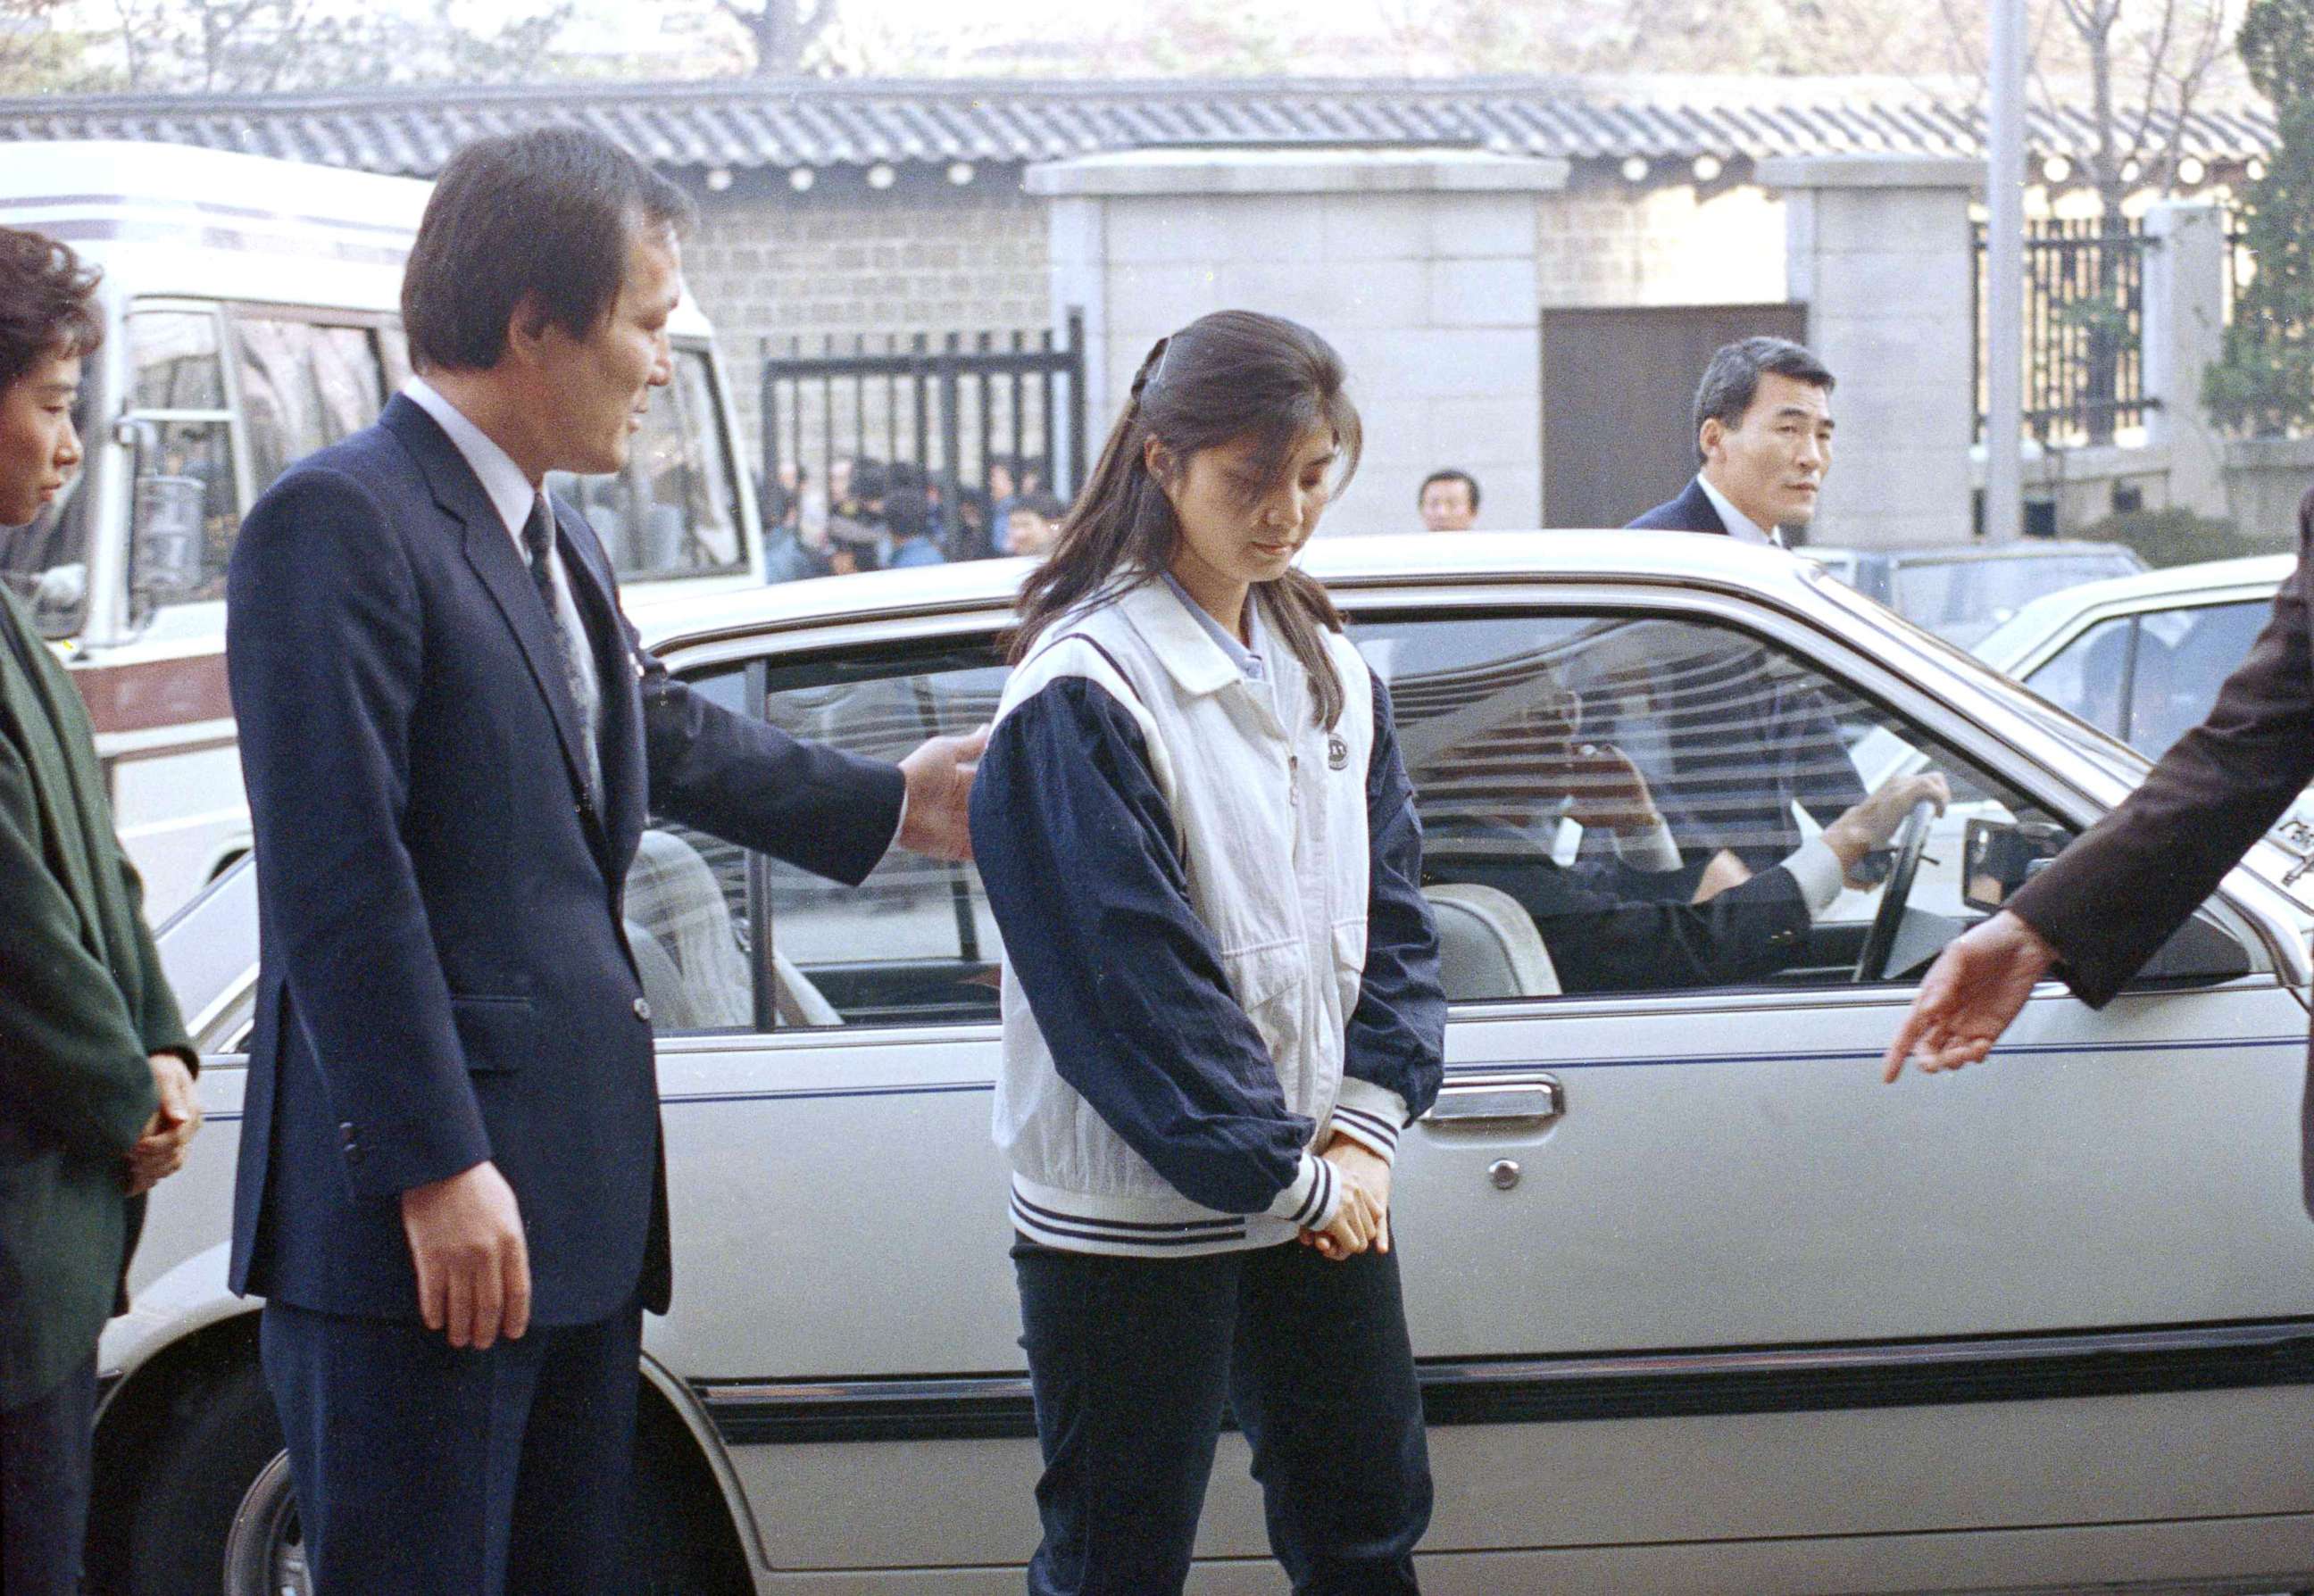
(1504, 1100)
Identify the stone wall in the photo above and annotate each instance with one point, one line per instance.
(1599, 246)
(768, 262)
(1417, 265)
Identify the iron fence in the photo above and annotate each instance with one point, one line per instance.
(952, 406)
(2084, 331)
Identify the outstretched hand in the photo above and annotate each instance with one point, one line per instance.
(938, 822)
(1973, 991)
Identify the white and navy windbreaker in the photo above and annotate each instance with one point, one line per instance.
(1216, 943)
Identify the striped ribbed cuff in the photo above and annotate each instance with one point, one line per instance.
(1314, 1198)
(1371, 1115)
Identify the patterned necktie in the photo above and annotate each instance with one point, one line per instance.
(538, 538)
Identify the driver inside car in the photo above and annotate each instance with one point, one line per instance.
(1647, 919)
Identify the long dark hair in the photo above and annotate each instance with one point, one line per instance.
(1229, 376)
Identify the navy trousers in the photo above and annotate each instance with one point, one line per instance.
(1131, 1360)
(44, 1462)
(424, 1470)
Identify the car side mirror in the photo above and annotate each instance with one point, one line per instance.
(1998, 857)
(168, 541)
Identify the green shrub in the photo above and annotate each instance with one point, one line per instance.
(2264, 386)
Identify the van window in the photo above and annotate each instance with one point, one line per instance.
(184, 458)
(675, 511)
(303, 386)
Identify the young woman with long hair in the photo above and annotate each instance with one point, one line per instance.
(1221, 993)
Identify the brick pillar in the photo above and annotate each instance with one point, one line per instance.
(1418, 265)
(1880, 251)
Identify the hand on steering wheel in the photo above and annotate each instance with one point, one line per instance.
(1880, 941)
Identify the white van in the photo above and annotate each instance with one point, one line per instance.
(251, 314)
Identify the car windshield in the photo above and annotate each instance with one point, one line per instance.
(1961, 600)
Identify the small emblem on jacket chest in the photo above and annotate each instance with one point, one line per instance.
(1337, 754)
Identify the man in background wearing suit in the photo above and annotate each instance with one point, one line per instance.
(452, 1188)
(2096, 912)
(1763, 442)
(96, 1084)
(1763, 419)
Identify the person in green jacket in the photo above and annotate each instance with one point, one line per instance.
(96, 1071)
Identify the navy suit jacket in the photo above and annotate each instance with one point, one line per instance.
(1799, 751)
(1691, 511)
(445, 977)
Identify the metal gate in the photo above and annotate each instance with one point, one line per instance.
(1618, 397)
(950, 407)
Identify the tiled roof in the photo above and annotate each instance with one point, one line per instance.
(741, 124)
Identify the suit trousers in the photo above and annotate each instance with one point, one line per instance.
(1131, 1360)
(423, 1469)
(44, 1463)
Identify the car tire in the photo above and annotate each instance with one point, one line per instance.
(681, 1534)
(216, 1509)
(216, 1481)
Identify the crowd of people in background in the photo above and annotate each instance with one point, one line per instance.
(875, 514)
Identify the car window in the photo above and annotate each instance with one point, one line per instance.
(1514, 731)
(2087, 677)
(1961, 600)
(687, 913)
(305, 385)
(2183, 658)
(186, 489)
(912, 944)
(1523, 738)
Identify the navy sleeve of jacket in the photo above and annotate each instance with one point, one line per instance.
(324, 644)
(1075, 849)
(1604, 941)
(1396, 1038)
(826, 811)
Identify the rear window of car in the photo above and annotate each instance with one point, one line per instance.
(1961, 600)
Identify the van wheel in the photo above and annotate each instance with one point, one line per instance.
(214, 1509)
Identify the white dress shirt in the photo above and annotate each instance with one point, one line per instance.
(1739, 526)
(512, 495)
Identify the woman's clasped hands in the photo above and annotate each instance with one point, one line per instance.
(1363, 1217)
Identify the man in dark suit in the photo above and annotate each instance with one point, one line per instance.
(96, 1085)
(1762, 420)
(2106, 904)
(451, 1189)
(1642, 920)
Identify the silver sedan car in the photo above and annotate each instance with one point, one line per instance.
(1699, 1304)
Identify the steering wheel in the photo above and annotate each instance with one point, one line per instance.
(1912, 838)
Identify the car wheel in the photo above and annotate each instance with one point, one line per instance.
(264, 1554)
(680, 1534)
(214, 1509)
